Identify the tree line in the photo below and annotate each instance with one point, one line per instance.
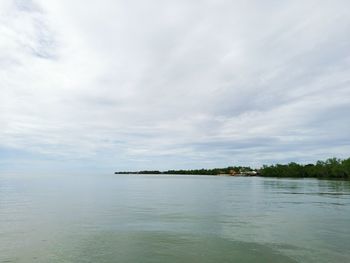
(331, 168)
(214, 171)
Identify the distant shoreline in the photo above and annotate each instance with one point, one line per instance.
(332, 168)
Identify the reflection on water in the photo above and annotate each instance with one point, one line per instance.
(173, 219)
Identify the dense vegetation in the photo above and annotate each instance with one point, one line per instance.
(331, 168)
(214, 171)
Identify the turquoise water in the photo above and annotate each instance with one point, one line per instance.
(126, 218)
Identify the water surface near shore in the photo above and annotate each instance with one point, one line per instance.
(157, 218)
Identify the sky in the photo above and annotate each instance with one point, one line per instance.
(109, 85)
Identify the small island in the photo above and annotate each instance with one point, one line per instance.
(331, 168)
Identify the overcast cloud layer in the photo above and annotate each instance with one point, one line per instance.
(124, 85)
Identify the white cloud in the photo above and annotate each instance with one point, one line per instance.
(170, 84)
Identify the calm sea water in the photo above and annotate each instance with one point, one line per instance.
(125, 218)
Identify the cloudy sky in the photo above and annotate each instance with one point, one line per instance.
(131, 84)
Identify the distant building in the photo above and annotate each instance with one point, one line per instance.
(251, 173)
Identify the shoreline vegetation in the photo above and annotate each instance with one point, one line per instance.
(331, 168)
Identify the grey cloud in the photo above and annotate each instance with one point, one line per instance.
(178, 83)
